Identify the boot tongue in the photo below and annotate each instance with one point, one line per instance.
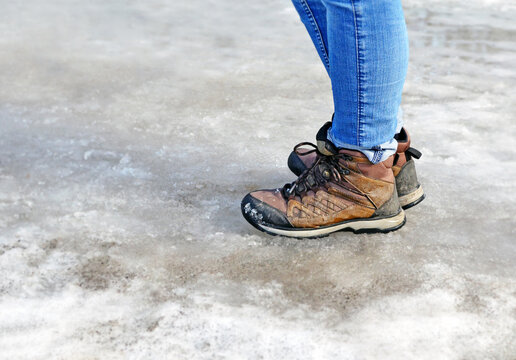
(325, 146)
(328, 148)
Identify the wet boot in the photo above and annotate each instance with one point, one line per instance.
(342, 190)
(410, 191)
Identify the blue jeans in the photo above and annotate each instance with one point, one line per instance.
(364, 46)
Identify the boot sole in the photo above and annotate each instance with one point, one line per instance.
(358, 226)
(412, 199)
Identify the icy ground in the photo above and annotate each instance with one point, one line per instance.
(129, 132)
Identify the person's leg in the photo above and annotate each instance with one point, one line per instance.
(368, 52)
(313, 15)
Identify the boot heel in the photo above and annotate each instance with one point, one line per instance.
(413, 198)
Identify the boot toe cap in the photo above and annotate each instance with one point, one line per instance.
(257, 212)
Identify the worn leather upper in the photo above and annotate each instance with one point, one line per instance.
(357, 194)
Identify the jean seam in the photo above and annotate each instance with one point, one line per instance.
(310, 15)
(359, 73)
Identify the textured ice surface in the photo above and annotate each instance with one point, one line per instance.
(130, 131)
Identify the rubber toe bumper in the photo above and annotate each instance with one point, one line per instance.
(258, 213)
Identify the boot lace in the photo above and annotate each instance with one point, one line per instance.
(325, 168)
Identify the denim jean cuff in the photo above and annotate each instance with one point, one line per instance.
(375, 154)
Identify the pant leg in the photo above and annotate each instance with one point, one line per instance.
(368, 52)
(313, 16)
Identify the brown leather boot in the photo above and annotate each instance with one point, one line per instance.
(410, 191)
(343, 191)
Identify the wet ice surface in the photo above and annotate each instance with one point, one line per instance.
(129, 132)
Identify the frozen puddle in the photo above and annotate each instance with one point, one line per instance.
(130, 131)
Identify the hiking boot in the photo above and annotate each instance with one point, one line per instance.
(410, 191)
(341, 191)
